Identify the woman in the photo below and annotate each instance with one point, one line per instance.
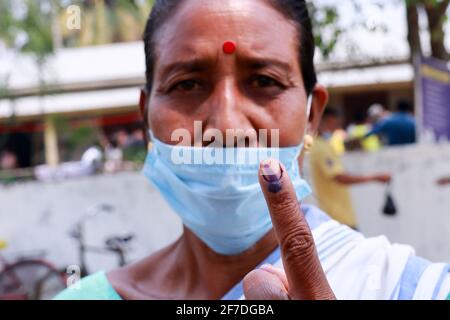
(247, 66)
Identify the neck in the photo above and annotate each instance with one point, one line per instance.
(215, 274)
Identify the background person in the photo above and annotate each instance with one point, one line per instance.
(444, 181)
(8, 160)
(360, 129)
(399, 128)
(330, 179)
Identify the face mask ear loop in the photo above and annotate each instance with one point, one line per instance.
(155, 141)
(150, 134)
(309, 106)
(308, 111)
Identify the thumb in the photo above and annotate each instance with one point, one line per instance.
(266, 283)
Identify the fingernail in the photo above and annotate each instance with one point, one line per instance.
(271, 170)
(272, 173)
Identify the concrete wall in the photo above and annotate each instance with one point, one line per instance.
(423, 208)
(38, 216)
(423, 218)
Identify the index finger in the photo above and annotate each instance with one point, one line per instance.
(301, 262)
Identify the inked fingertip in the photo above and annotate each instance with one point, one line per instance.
(271, 170)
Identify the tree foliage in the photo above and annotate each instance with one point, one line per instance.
(28, 25)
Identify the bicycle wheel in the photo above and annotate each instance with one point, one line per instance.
(30, 280)
(50, 285)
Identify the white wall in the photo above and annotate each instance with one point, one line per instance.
(38, 216)
(423, 208)
(423, 218)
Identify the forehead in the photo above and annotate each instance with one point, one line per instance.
(200, 27)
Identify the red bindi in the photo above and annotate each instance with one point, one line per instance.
(229, 47)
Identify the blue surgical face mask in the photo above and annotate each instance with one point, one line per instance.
(221, 200)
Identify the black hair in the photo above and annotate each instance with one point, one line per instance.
(294, 10)
(360, 117)
(404, 106)
(331, 112)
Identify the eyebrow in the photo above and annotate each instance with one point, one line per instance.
(201, 65)
(194, 65)
(261, 63)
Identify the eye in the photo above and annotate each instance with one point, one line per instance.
(261, 81)
(186, 85)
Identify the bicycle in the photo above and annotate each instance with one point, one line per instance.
(118, 245)
(29, 278)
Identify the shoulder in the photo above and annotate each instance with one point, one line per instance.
(321, 148)
(383, 123)
(378, 268)
(93, 287)
(383, 270)
(314, 216)
(141, 279)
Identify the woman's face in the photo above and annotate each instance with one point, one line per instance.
(259, 86)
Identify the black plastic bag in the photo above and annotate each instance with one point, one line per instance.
(389, 208)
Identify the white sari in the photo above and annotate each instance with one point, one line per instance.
(367, 268)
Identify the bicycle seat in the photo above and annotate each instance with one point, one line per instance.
(118, 242)
(3, 244)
